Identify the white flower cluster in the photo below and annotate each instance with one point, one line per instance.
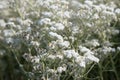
(73, 32)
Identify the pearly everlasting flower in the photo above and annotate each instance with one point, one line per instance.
(52, 56)
(70, 53)
(59, 26)
(59, 56)
(90, 3)
(115, 31)
(96, 16)
(27, 57)
(35, 59)
(9, 40)
(47, 14)
(2, 23)
(8, 32)
(82, 64)
(118, 48)
(64, 2)
(54, 7)
(117, 11)
(66, 14)
(37, 67)
(83, 49)
(106, 50)
(64, 44)
(93, 43)
(97, 8)
(61, 69)
(55, 56)
(91, 57)
(35, 43)
(44, 21)
(27, 22)
(55, 35)
(80, 60)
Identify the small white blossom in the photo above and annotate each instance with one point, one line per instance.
(2, 23)
(59, 26)
(9, 40)
(47, 14)
(117, 11)
(90, 3)
(9, 32)
(83, 49)
(70, 53)
(118, 48)
(91, 57)
(81, 61)
(44, 21)
(66, 14)
(60, 69)
(55, 35)
(35, 43)
(93, 43)
(52, 56)
(64, 44)
(54, 7)
(59, 56)
(35, 59)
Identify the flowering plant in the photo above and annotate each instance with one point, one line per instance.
(59, 38)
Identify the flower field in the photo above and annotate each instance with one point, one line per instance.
(59, 40)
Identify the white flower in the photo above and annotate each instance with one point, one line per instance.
(75, 4)
(70, 53)
(27, 22)
(118, 48)
(91, 57)
(47, 14)
(59, 56)
(82, 64)
(54, 7)
(90, 3)
(106, 50)
(44, 21)
(97, 8)
(64, 44)
(35, 59)
(81, 61)
(9, 33)
(117, 11)
(35, 43)
(61, 69)
(64, 2)
(11, 24)
(96, 16)
(55, 35)
(52, 56)
(93, 43)
(84, 49)
(9, 40)
(59, 26)
(66, 14)
(2, 23)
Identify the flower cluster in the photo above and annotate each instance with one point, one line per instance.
(67, 35)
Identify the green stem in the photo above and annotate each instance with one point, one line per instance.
(113, 65)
